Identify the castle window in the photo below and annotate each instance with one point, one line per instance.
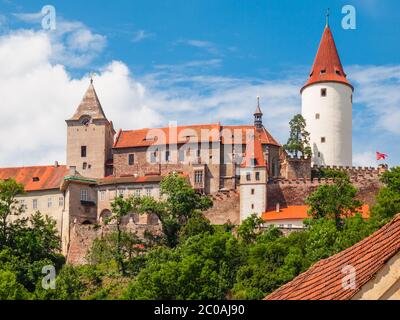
(61, 201)
(317, 116)
(198, 153)
(257, 176)
(198, 177)
(323, 92)
(84, 166)
(34, 204)
(84, 195)
(131, 159)
(248, 176)
(137, 192)
(181, 155)
(252, 206)
(253, 192)
(103, 195)
(319, 154)
(153, 157)
(323, 140)
(83, 151)
(49, 203)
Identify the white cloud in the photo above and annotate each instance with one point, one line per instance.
(210, 47)
(73, 43)
(378, 89)
(141, 35)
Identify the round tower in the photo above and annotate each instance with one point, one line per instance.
(327, 100)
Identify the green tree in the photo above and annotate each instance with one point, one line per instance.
(334, 201)
(299, 138)
(10, 288)
(203, 267)
(179, 203)
(9, 206)
(388, 198)
(250, 229)
(120, 208)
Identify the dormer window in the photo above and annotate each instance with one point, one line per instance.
(338, 72)
(85, 121)
(323, 71)
(35, 179)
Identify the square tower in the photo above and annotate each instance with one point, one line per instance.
(90, 137)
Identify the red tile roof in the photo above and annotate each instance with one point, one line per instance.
(49, 177)
(328, 60)
(159, 136)
(300, 213)
(254, 156)
(323, 281)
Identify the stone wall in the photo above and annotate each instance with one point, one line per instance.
(296, 168)
(294, 192)
(82, 237)
(226, 208)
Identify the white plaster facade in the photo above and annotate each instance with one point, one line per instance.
(327, 109)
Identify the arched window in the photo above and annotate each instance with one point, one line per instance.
(104, 215)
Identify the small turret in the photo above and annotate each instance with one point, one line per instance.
(258, 115)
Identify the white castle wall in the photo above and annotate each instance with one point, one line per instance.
(334, 123)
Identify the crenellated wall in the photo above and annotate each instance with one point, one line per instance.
(291, 192)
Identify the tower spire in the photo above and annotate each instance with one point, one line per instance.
(328, 13)
(258, 115)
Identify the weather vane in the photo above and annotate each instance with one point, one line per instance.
(92, 75)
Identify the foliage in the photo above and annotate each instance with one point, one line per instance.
(104, 251)
(250, 229)
(203, 267)
(10, 288)
(388, 199)
(334, 201)
(179, 203)
(299, 138)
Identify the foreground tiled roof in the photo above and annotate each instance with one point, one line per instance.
(36, 178)
(323, 281)
(328, 61)
(300, 213)
(145, 137)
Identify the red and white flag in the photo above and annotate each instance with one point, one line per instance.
(381, 156)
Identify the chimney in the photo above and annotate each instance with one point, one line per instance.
(278, 207)
(56, 165)
(72, 171)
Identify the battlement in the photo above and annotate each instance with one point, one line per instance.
(357, 172)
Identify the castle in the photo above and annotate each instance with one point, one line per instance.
(243, 167)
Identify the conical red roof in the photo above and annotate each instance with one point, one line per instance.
(327, 66)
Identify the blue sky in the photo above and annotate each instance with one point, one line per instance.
(194, 61)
